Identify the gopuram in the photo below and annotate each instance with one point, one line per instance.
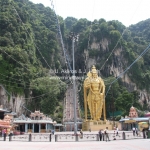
(94, 103)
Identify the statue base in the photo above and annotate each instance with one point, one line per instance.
(91, 125)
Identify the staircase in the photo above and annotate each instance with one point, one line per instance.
(68, 114)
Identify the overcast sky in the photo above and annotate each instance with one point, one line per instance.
(126, 11)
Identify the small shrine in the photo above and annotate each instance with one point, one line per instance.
(5, 120)
(5, 123)
(132, 120)
(37, 115)
(36, 123)
(133, 113)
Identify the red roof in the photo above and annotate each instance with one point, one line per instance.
(147, 115)
(5, 126)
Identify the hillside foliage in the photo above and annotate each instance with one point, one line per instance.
(30, 46)
(28, 50)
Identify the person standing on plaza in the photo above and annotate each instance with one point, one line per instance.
(144, 135)
(2, 132)
(53, 132)
(100, 135)
(11, 133)
(5, 131)
(5, 134)
(136, 131)
(106, 134)
(103, 138)
(133, 129)
(117, 131)
(81, 132)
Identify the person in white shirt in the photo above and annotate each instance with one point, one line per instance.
(133, 129)
(136, 130)
(106, 132)
(117, 131)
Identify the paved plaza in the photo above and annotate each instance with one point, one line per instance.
(120, 144)
(138, 144)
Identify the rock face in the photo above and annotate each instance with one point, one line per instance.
(115, 68)
(144, 96)
(15, 102)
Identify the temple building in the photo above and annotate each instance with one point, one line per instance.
(37, 123)
(132, 120)
(5, 121)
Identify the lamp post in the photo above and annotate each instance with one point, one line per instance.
(149, 129)
(74, 38)
(54, 124)
(65, 127)
(149, 124)
(113, 107)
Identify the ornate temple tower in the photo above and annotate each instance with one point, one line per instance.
(133, 113)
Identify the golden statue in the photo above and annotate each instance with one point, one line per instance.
(94, 95)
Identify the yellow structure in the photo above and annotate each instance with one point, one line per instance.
(143, 125)
(94, 96)
(97, 125)
(94, 102)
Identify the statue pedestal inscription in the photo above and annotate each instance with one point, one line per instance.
(96, 125)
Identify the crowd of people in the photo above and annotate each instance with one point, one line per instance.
(104, 134)
(4, 132)
(135, 131)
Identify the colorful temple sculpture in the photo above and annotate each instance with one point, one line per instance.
(133, 120)
(5, 120)
(133, 113)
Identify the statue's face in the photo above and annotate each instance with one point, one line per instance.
(94, 75)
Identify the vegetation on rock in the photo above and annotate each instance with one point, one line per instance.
(30, 46)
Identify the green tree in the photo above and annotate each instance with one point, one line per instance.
(124, 102)
(51, 90)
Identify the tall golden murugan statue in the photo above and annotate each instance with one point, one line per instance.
(94, 95)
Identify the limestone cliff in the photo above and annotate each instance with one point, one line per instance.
(13, 103)
(115, 68)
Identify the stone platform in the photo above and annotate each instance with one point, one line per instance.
(97, 125)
